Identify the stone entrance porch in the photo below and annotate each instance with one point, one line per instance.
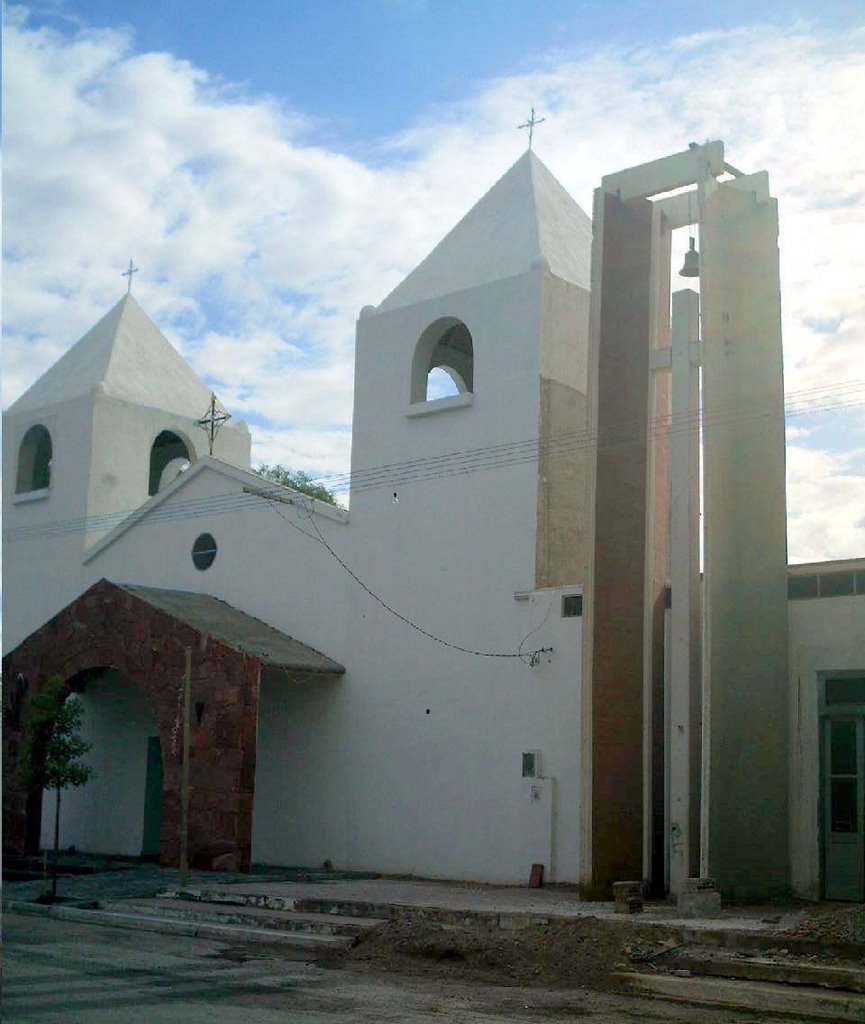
(144, 634)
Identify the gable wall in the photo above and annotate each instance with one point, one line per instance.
(123, 434)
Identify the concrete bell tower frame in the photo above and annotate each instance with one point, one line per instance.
(685, 741)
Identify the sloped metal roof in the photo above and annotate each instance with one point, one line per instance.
(237, 630)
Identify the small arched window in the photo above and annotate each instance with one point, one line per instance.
(443, 362)
(34, 461)
(169, 456)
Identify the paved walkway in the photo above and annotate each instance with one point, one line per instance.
(551, 901)
(130, 882)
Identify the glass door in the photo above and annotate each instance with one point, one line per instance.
(843, 789)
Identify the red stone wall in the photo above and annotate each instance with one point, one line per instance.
(107, 627)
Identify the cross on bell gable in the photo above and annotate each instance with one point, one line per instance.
(212, 420)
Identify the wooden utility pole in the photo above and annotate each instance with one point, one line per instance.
(184, 782)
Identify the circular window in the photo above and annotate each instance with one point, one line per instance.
(203, 551)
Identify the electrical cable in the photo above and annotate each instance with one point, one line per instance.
(458, 463)
(310, 514)
(535, 655)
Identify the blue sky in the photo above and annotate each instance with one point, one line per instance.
(365, 69)
(272, 167)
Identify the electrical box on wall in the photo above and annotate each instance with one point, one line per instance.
(532, 764)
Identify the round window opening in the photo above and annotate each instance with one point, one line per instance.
(203, 551)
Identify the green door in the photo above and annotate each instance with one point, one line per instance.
(152, 799)
(843, 789)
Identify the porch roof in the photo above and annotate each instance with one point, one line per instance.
(237, 630)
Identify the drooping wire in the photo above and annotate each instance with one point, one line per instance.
(305, 508)
(534, 657)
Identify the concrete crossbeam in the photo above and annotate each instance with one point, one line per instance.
(668, 173)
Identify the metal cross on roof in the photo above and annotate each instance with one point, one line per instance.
(530, 124)
(128, 275)
(212, 420)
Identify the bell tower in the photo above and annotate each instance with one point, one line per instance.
(471, 380)
(728, 645)
(104, 429)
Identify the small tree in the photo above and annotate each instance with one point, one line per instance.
(297, 480)
(52, 748)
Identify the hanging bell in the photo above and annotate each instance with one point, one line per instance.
(691, 266)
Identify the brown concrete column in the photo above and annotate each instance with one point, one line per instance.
(624, 332)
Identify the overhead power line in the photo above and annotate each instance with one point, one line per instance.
(808, 401)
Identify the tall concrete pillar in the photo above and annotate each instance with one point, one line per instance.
(685, 710)
(626, 618)
(745, 840)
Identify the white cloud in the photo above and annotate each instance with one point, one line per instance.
(258, 247)
(826, 501)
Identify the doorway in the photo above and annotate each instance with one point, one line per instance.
(119, 811)
(152, 829)
(842, 787)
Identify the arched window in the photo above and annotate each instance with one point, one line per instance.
(169, 456)
(34, 461)
(443, 362)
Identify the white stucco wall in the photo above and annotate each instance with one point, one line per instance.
(107, 815)
(826, 635)
(414, 767)
(43, 539)
(442, 792)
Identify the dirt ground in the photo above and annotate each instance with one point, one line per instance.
(561, 954)
(833, 922)
(59, 972)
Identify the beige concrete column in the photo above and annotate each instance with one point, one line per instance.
(685, 688)
(745, 845)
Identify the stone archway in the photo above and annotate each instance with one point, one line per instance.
(110, 625)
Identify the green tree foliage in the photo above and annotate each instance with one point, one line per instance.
(53, 747)
(297, 480)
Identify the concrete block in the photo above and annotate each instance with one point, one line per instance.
(628, 897)
(699, 885)
(699, 904)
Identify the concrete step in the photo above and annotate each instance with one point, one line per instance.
(167, 925)
(807, 1004)
(301, 905)
(774, 969)
(256, 917)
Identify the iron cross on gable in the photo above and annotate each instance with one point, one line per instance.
(212, 420)
(128, 275)
(530, 124)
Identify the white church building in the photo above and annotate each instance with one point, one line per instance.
(508, 652)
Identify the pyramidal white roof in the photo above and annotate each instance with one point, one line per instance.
(131, 358)
(526, 217)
